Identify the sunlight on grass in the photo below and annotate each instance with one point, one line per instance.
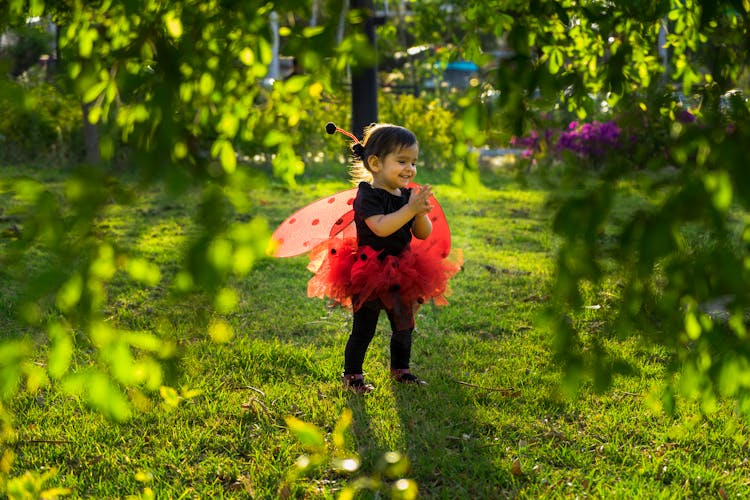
(493, 421)
(160, 237)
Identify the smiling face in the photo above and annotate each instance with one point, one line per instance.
(396, 170)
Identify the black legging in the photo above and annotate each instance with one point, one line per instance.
(363, 330)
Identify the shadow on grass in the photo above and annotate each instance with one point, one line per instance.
(447, 460)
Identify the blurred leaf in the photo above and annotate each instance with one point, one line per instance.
(142, 340)
(170, 396)
(143, 271)
(311, 31)
(173, 24)
(341, 428)
(60, 351)
(206, 84)
(94, 91)
(226, 301)
(404, 489)
(394, 465)
(12, 354)
(228, 157)
(346, 464)
(308, 435)
(220, 331)
(719, 185)
(100, 393)
(36, 377)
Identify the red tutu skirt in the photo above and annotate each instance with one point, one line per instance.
(352, 275)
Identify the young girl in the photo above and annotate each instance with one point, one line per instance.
(380, 270)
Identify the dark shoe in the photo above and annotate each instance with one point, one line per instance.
(405, 376)
(356, 383)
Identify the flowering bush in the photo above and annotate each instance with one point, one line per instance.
(587, 141)
(590, 140)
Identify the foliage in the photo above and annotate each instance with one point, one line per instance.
(182, 85)
(685, 248)
(439, 131)
(31, 42)
(31, 485)
(588, 143)
(388, 477)
(491, 423)
(38, 122)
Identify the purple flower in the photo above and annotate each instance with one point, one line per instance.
(585, 140)
(589, 140)
(685, 116)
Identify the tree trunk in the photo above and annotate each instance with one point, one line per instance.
(365, 78)
(90, 137)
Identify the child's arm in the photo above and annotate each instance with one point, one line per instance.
(422, 226)
(386, 224)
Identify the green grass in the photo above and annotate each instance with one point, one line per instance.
(491, 424)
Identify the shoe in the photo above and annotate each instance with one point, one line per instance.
(356, 383)
(405, 376)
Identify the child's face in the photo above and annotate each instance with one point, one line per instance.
(396, 170)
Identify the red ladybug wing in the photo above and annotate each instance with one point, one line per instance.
(441, 233)
(312, 224)
(334, 216)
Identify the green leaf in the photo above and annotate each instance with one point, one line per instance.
(170, 396)
(99, 393)
(226, 301)
(308, 434)
(70, 293)
(94, 91)
(142, 340)
(206, 84)
(143, 271)
(86, 39)
(692, 326)
(342, 426)
(394, 465)
(228, 157)
(247, 56)
(60, 351)
(556, 60)
(12, 354)
(311, 31)
(220, 331)
(173, 23)
(274, 138)
(228, 125)
(296, 83)
(36, 8)
(719, 185)
(404, 489)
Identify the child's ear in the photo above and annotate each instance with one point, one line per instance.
(373, 162)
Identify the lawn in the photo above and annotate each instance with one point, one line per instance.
(492, 423)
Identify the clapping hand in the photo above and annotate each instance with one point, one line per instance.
(419, 201)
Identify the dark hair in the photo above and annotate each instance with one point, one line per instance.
(383, 138)
(380, 140)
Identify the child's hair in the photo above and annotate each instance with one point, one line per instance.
(380, 140)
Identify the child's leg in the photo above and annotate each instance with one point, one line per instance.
(402, 325)
(401, 349)
(363, 330)
(401, 318)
